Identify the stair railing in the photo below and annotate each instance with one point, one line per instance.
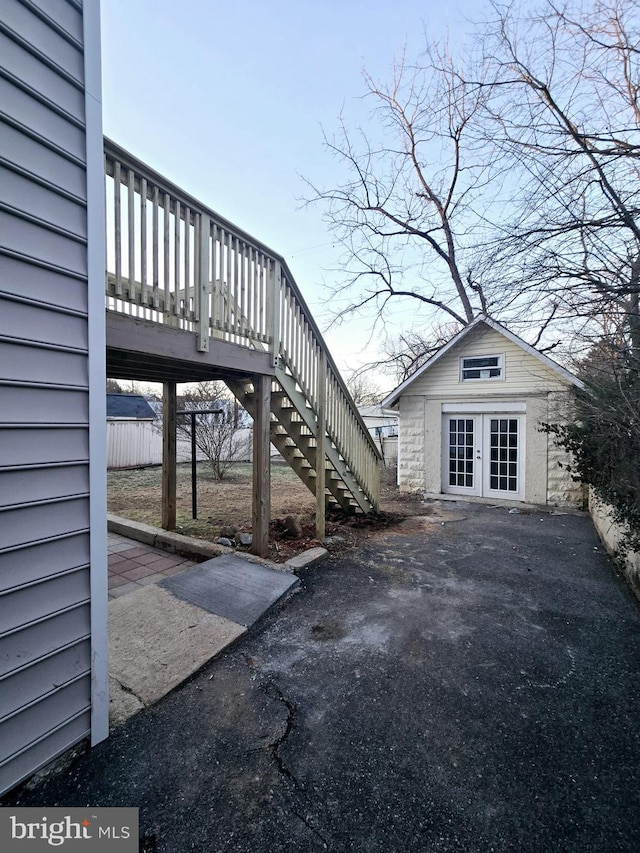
(301, 348)
(172, 260)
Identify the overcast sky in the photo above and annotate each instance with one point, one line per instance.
(229, 102)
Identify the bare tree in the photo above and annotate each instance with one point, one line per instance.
(413, 205)
(114, 387)
(400, 356)
(505, 181)
(363, 389)
(563, 108)
(224, 438)
(408, 351)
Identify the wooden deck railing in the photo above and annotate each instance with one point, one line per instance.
(172, 260)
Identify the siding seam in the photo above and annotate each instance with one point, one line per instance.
(57, 538)
(44, 657)
(42, 223)
(41, 57)
(43, 579)
(43, 386)
(42, 619)
(58, 752)
(38, 303)
(42, 182)
(50, 22)
(47, 734)
(43, 502)
(46, 695)
(33, 344)
(503, 397)
(41, 99)
(44, 465)
(45, 265)
(48, 424)
(41, 140)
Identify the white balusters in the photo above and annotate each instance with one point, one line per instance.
(188, 267)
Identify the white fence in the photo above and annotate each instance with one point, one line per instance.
(134, 444)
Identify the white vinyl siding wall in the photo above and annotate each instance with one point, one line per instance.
(523, 374)
(45, 592)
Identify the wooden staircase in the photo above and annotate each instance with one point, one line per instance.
(294, 430)
(174, 262)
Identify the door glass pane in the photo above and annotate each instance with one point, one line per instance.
(504, 452)
(461, 449)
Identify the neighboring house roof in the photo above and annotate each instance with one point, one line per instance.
(375, 411)
(156, 406)
(129, 406)
(395, 395)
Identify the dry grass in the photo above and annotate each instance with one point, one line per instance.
(137, 494)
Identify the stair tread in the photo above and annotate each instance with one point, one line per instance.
(292, 432)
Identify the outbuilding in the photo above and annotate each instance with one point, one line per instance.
(472, 421)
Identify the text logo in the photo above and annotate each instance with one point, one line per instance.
(34, 829)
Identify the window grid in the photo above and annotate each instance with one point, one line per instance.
(461, 441)
(503, 454)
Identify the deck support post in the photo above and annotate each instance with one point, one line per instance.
(321, 426)
(169, 455)
(261, 509)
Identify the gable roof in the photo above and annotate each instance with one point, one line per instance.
(129, 406)
(483, 319)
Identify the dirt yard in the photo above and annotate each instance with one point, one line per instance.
(136, 494)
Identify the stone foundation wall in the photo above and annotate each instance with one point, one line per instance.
(411, 462)
(562, 489)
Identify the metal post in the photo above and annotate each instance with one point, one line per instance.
(194, 491)
(193, 413)
(169, 456)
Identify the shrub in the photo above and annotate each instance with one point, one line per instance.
(604, 442)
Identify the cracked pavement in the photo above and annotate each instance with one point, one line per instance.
(468, 681)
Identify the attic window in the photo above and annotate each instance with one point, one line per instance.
(481, 367)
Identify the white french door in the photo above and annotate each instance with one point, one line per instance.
(483, 455)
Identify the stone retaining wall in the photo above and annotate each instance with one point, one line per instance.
(611, 534)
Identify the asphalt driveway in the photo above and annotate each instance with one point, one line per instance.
(469, 681)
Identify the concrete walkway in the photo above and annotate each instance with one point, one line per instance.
(465, 683)
(168, 616)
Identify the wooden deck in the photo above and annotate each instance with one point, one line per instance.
(191, 297)
(151, 352)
